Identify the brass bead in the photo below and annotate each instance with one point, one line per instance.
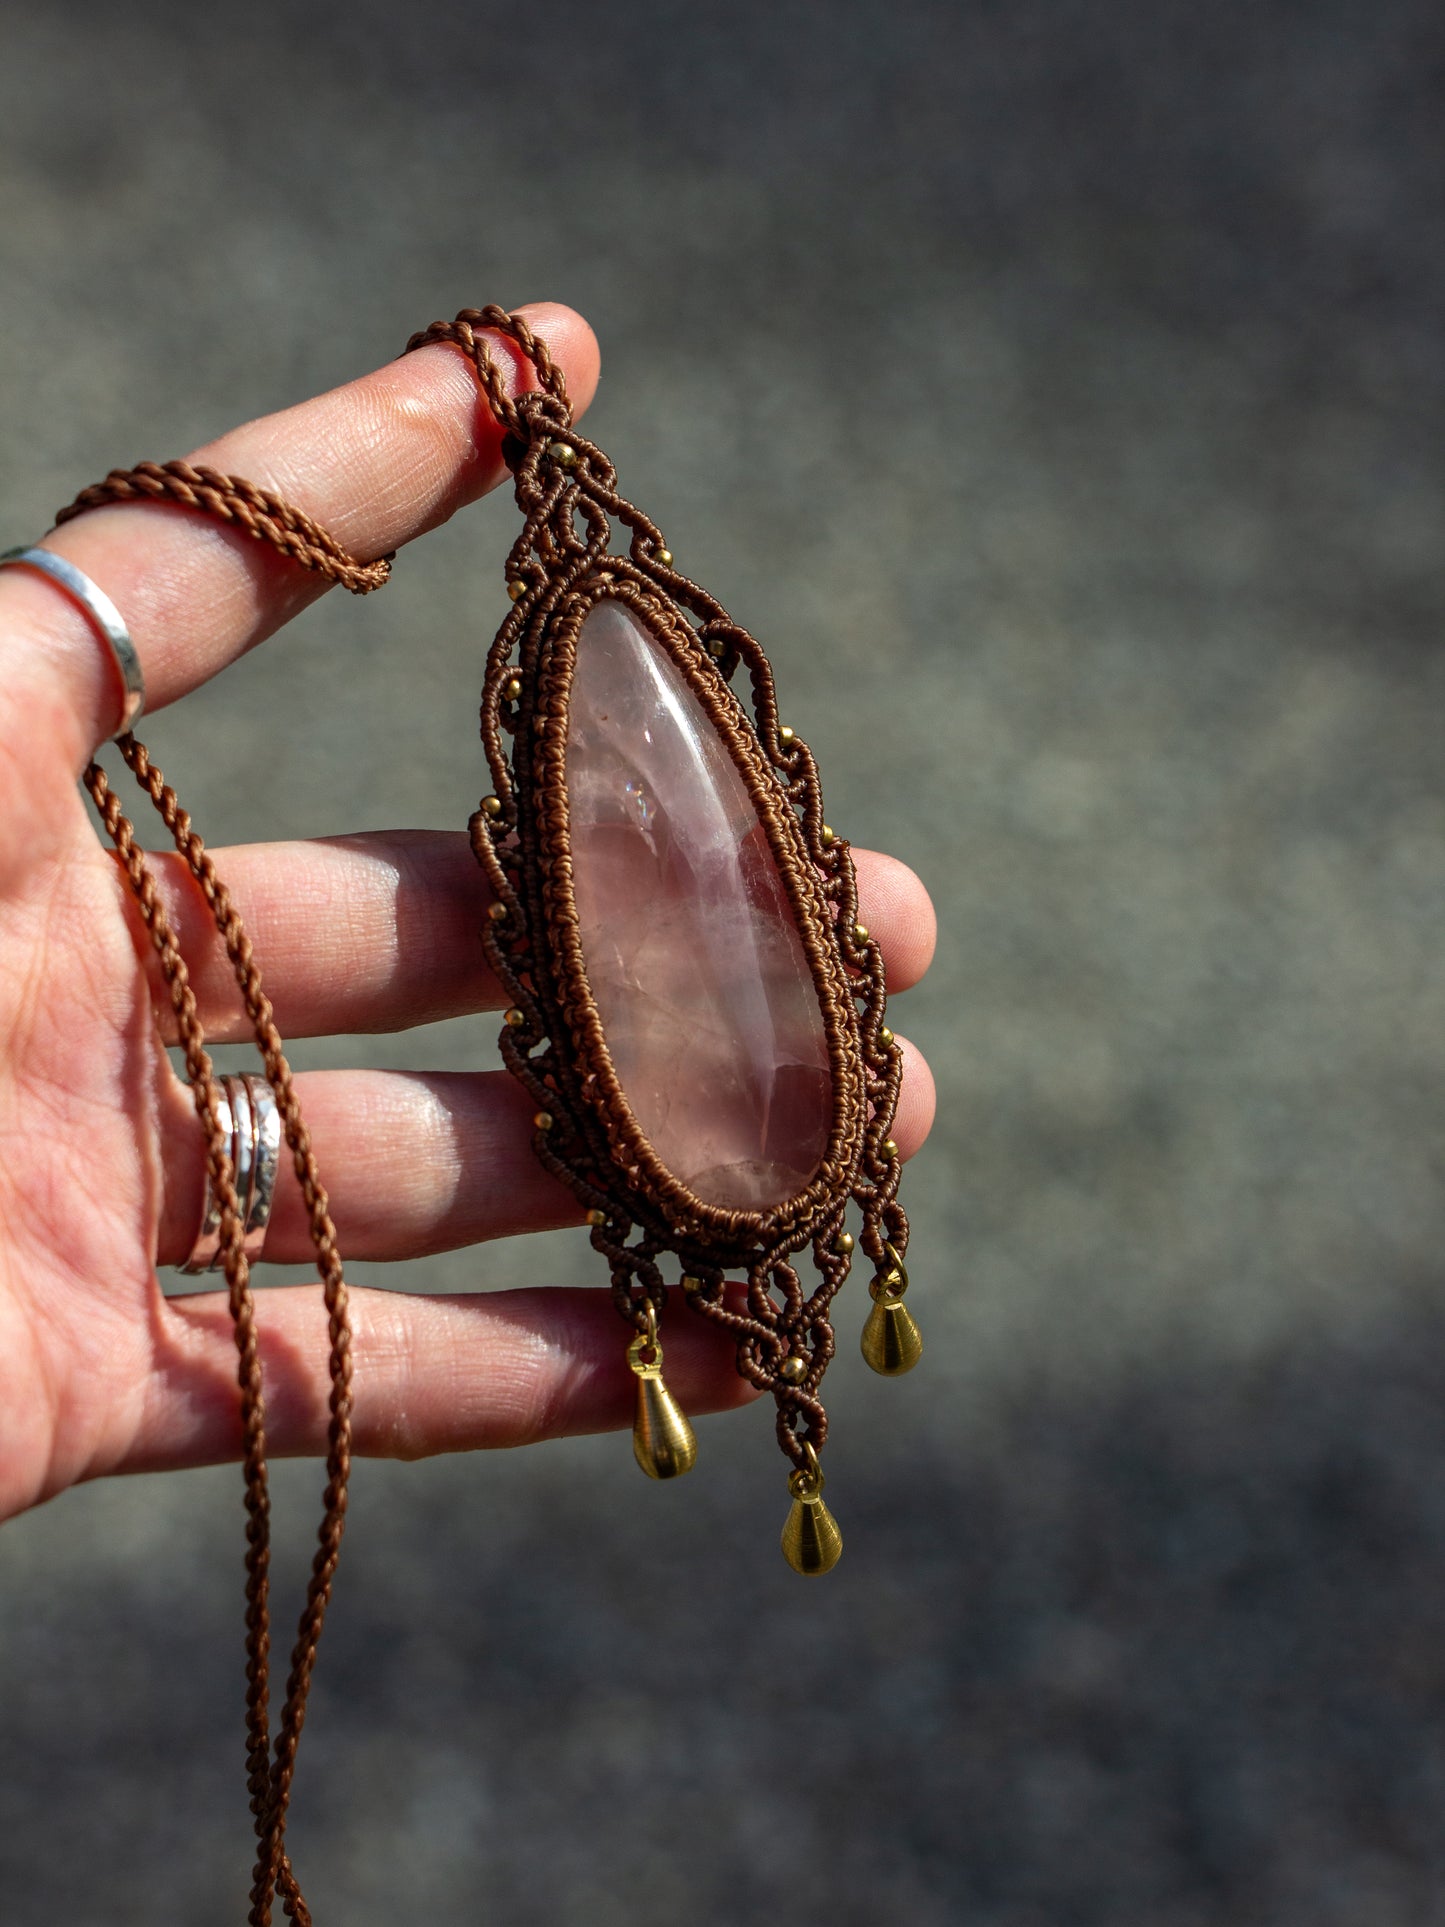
(563, 453)
(492, 807)
(516, 589)
(544, 1120)
(843, 1242)
(690, 1283)
(497, 912)
(512, 688)
(827, 837)
(664, 556)
(860, 933)
(891, 1341)
(786, 735)
(885, 1035)
(812, 1543)
(514, 1018)
(717, 648)
(594, 1218)
(793, 1369)
(663, 1442)
(889, 1148)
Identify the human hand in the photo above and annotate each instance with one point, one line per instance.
(102, 1158)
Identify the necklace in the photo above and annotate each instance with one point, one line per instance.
(695, 1008)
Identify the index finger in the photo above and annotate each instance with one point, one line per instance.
(376, 462)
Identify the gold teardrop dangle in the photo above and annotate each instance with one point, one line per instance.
(662, 1439)
(812, 1542)
(892, 1342)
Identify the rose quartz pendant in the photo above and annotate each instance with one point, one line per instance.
(709, 1012)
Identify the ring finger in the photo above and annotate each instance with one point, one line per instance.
(417, 1163)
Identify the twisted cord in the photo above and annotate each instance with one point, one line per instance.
(232, 499)
(270, 1770)
(462, 333)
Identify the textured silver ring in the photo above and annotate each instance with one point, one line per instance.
(208, 1238)
(250, 1119)
(102, 612)
(243, 1150)
(266, 1126)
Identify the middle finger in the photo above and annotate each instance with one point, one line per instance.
(379, 932)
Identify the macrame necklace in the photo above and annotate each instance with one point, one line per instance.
(695, 1008)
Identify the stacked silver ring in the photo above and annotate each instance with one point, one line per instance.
(250, 1116)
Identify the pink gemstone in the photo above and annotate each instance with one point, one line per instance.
(708, 1006)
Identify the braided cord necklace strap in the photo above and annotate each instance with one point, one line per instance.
(232, 499)
(269, 1767)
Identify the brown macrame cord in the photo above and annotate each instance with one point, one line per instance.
(269, 1768)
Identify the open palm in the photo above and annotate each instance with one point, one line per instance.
(102, 1159)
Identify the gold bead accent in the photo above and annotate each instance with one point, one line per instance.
(717, 648)
(860, 933)
(885, 1035)
(793, 1369)
(664, 556)
(594, 1218)
(492, 807)
(563, 453)
(786, 735)
(544, 1120)
(516, 589)
(889, 1148)
(497, 912)
(514, 1018)
(512, 688)
(827, 837)
(843, 1242)
(691, 1284)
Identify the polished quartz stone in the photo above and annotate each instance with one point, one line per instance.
(709, 1009)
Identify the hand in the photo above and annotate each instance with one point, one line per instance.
(102, 1164)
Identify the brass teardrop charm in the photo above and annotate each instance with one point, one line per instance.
(812, 1542)
(662, 1440)
(892, 1343)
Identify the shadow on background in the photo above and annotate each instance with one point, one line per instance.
(1057, 391)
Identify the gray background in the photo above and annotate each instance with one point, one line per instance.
(1057, 390)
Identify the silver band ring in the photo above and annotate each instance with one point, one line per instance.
(102, 612)
(243, 1146)
(208, 1239)
(250, 1119)
(266, 1113)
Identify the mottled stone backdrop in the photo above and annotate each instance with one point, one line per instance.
(1057, 389)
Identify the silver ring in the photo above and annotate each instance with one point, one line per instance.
(102, 612)
(250, 1117)
(266, 1117)
(243, 1149)
(208, 1239)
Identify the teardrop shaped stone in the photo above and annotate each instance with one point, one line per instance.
(708, 1007)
